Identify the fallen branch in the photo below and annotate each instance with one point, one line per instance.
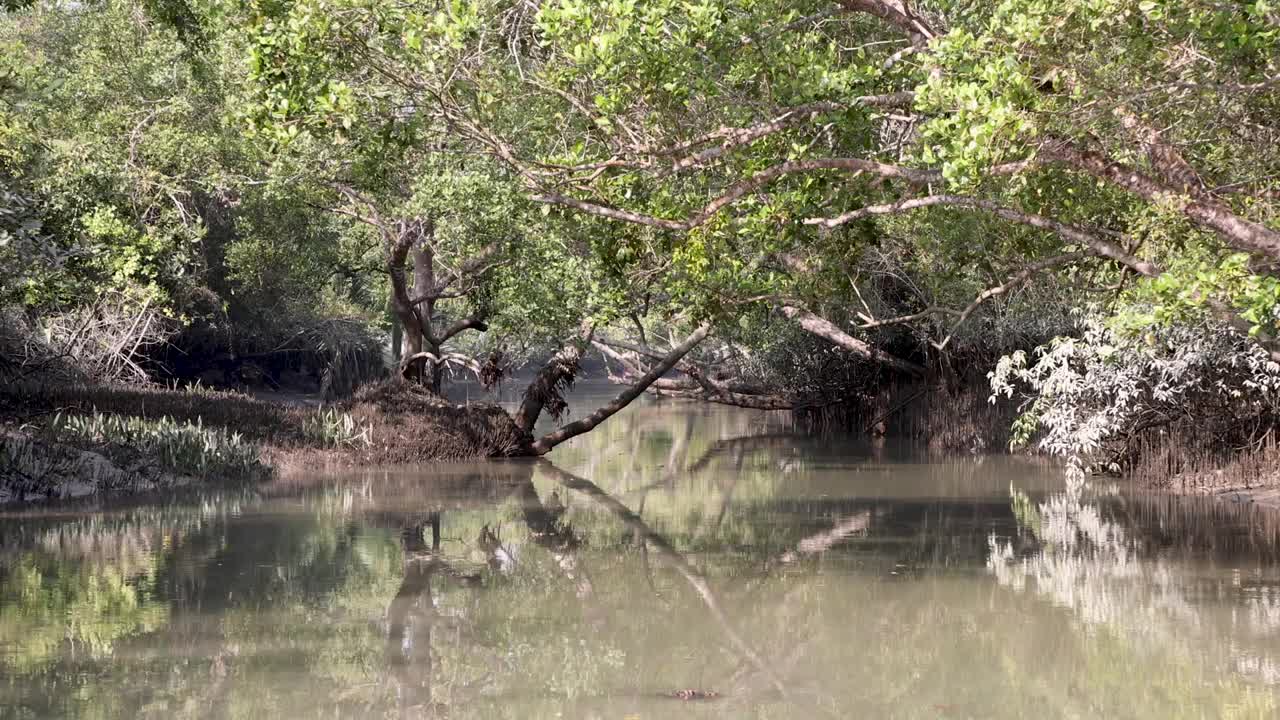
(544, 391)
(573, 429)
(699, 385)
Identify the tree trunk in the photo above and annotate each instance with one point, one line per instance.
(544, 391)
(435, 370)
(397, 338)
(424, 371)
(586, 424)
(401, 304)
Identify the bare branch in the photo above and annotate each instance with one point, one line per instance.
(698, 385)
(443, 359)
(1072, 233)
(1018, 279)
(897, 13)
(459, 326)
(824, 328)
(642, 158)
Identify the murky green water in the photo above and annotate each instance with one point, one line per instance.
(679, 547)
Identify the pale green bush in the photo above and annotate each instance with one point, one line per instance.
(1088, 397)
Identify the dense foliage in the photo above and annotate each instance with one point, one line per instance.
(921, 188)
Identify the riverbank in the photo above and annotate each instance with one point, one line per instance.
(65, 441)
(60, 441)
(1249, 475)
(1262, 490)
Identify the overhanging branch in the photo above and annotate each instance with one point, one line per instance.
(744, 187)
(1088, 238)
(827, 330)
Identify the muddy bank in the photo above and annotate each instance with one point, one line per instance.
(1239, 475)
(1267, 497)
(71, 441)
(34, 468)
(407, 423)
(61, 441)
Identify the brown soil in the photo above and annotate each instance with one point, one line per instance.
(411, 424)
(406, 422)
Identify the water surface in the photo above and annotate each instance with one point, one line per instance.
(678, 548)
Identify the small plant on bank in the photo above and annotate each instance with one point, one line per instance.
(333, 429)
(183, 447)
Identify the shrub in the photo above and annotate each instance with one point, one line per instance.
(1092, 398)
(104, 341)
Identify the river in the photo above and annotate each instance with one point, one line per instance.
(682, 560)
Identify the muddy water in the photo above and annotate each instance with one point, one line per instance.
(681, 561)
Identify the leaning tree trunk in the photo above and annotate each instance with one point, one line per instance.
(533, 404)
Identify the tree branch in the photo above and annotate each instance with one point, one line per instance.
(827, 330)
(1239, 232)
(472, 323)
(698, 386)
(573, 429)
(1072, 233)
(442, 359)
(1018, 279)
(559, 372)
(743, 188)
(896, 13)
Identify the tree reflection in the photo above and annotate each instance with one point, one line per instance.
(1088, 552)
(682, 566)
(410, 618)
(521, 590)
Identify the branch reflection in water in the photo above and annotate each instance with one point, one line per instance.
(681, 552)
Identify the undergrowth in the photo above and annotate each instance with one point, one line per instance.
(332, 429)
(182, 447)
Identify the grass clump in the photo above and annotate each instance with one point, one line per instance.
(332, 429)
(182, 447)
